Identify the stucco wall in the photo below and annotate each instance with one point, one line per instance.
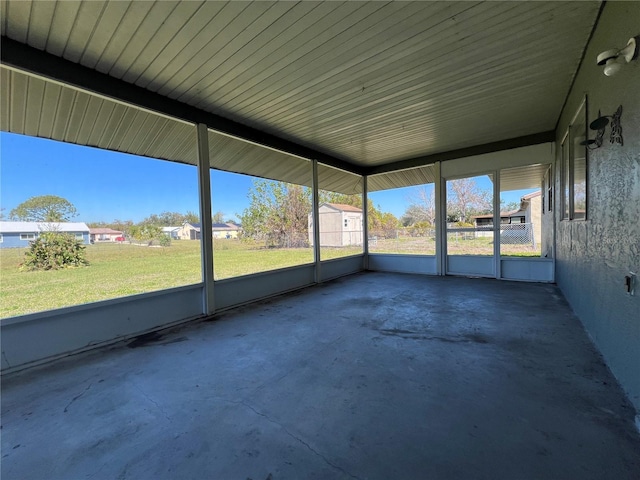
(593, 256)
(535, 217)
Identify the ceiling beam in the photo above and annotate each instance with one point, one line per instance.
(25, 58)
(535, 139)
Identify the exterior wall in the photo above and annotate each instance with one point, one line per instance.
(187, 232)
(12, 240)
(333, 232)
(534, 215)
(593, 256)
(330, 227)
(225, 234)
(352, 233)
(105, 237)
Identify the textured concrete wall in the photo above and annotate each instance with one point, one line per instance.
(593, 256)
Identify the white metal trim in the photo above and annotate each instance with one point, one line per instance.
(316, 221)
(206, 224)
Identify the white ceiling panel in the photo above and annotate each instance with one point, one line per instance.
(370, 83)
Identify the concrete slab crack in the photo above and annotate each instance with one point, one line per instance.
(298, 439)
(158, 406)
(4, 355)
(66, 409)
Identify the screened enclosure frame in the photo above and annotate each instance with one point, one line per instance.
(82, 327)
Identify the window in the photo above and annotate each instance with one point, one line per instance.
(565, 177)
(402, 214)
(470, 199)
(340, 198)
(522, 195)
(0, 238)
(268, 223)
(547, 189)
(106, 189)
(574, 167)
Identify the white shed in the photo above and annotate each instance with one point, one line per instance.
(340, 225)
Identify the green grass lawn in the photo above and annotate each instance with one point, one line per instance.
(119, 270)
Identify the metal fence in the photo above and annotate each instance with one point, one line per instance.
(517, 234)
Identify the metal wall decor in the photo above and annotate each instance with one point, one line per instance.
(616, 128)
(600, 125)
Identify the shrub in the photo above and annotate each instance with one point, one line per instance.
(164, 240)
(53, 251)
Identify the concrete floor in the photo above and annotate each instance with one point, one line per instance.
(378, 376)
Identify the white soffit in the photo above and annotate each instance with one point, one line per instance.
(40, 108)
(521, 178)
(368, 82)
(401, 178)
(238, 156)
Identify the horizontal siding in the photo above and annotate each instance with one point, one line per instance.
(12, 240)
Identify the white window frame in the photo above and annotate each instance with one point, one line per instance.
(28, 236)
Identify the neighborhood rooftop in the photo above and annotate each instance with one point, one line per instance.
(29, 227)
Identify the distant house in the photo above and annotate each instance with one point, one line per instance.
(225, 230)
(529, 213)
(189, 231)
(340, 225)
(104, 235)
(172, 232)
(20, 234)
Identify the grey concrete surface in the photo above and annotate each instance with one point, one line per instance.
(373, 376)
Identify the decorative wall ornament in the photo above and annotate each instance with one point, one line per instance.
(616, 128)
(600, 125)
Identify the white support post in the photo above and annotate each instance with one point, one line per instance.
(365, 221)
(441, 221)
(496, 223)
(316, 222)
(206, 232)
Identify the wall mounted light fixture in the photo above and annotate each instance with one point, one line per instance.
(600, 125)
(613, 60)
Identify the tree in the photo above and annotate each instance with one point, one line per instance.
(421, 209)
(190, 217)
(277, 214)
(146, 233)
(465, 199)
(509, 207)
(44, 208)
(170, 219)
(218, 217)
(380, 223)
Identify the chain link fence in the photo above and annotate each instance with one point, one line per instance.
(517, 234)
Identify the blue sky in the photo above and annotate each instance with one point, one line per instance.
(105, 185)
